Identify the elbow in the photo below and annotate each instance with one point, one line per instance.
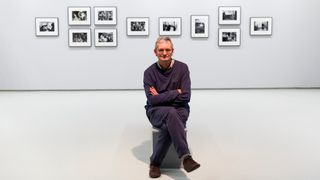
(152, 101)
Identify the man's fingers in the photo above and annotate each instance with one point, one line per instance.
(153, 91)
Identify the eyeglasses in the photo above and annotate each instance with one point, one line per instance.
(164, 50)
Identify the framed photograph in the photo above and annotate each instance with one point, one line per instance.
(105, 37)
(229, 37)
(79, 37)
(105, 15)
(199, 26)
(47, 26)
(261, 26)
(79, 15)
(229, 15)
(137, 26)
(170, 26)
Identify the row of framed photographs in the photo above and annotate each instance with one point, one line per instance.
(107, 15)
(108, 37)
(104, 15)
(169, 26)
(102, 37)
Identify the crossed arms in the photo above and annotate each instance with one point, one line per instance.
(175, 97)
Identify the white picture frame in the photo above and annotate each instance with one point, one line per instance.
(261, 26)
(199, 26)
(105, 37)
(105, 15)
(229, 15)
(229, 37)
(170, 26)
(137, 26)
(79, 15)
(79, 37)
(47, 26)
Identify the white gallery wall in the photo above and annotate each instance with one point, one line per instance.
(288, 58)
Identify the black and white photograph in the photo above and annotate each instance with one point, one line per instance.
(79, 15)
(229, 37)
(79, 37)
(199, 26)
(137, 26)
(105, 37)
(105, 15)
(229, 15)
(261, 26)
(47, 26)
(170, 26)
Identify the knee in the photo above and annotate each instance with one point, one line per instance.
(172, 113)
(172, 117)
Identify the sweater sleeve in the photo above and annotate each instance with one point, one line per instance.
(185, 96)
(165, 98)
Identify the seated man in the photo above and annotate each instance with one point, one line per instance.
(168, 89)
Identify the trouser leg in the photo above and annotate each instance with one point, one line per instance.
(171, 122)
(176, 125)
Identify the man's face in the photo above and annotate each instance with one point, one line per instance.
(164, 50)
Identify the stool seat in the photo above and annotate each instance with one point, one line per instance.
(171, 160)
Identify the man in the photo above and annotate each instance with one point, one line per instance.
(168, 89)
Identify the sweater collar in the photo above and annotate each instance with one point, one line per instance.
(171, 65)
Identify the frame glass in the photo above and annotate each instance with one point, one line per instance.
(79, 37)
(261, 26)
(229, 15)
(199, 26)
(47, 26)
(79, 15)
(170, 26)
(105, 37)
(137, 26)
(105, 15)
(229, 37)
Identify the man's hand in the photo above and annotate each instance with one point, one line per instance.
(153, 91)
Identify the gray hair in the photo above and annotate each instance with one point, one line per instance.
(163, 38)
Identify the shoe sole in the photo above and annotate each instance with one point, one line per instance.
(193, 168)
(154, 176)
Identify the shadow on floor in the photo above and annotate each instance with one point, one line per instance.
(143, 151)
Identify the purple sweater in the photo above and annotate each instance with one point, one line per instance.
(166, 82)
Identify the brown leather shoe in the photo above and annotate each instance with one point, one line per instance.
(154, 171)
(189, 164)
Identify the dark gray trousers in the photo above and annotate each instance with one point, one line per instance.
(171, 122)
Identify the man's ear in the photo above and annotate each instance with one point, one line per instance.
(155, 51)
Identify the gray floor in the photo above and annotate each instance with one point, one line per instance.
(104, 135)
